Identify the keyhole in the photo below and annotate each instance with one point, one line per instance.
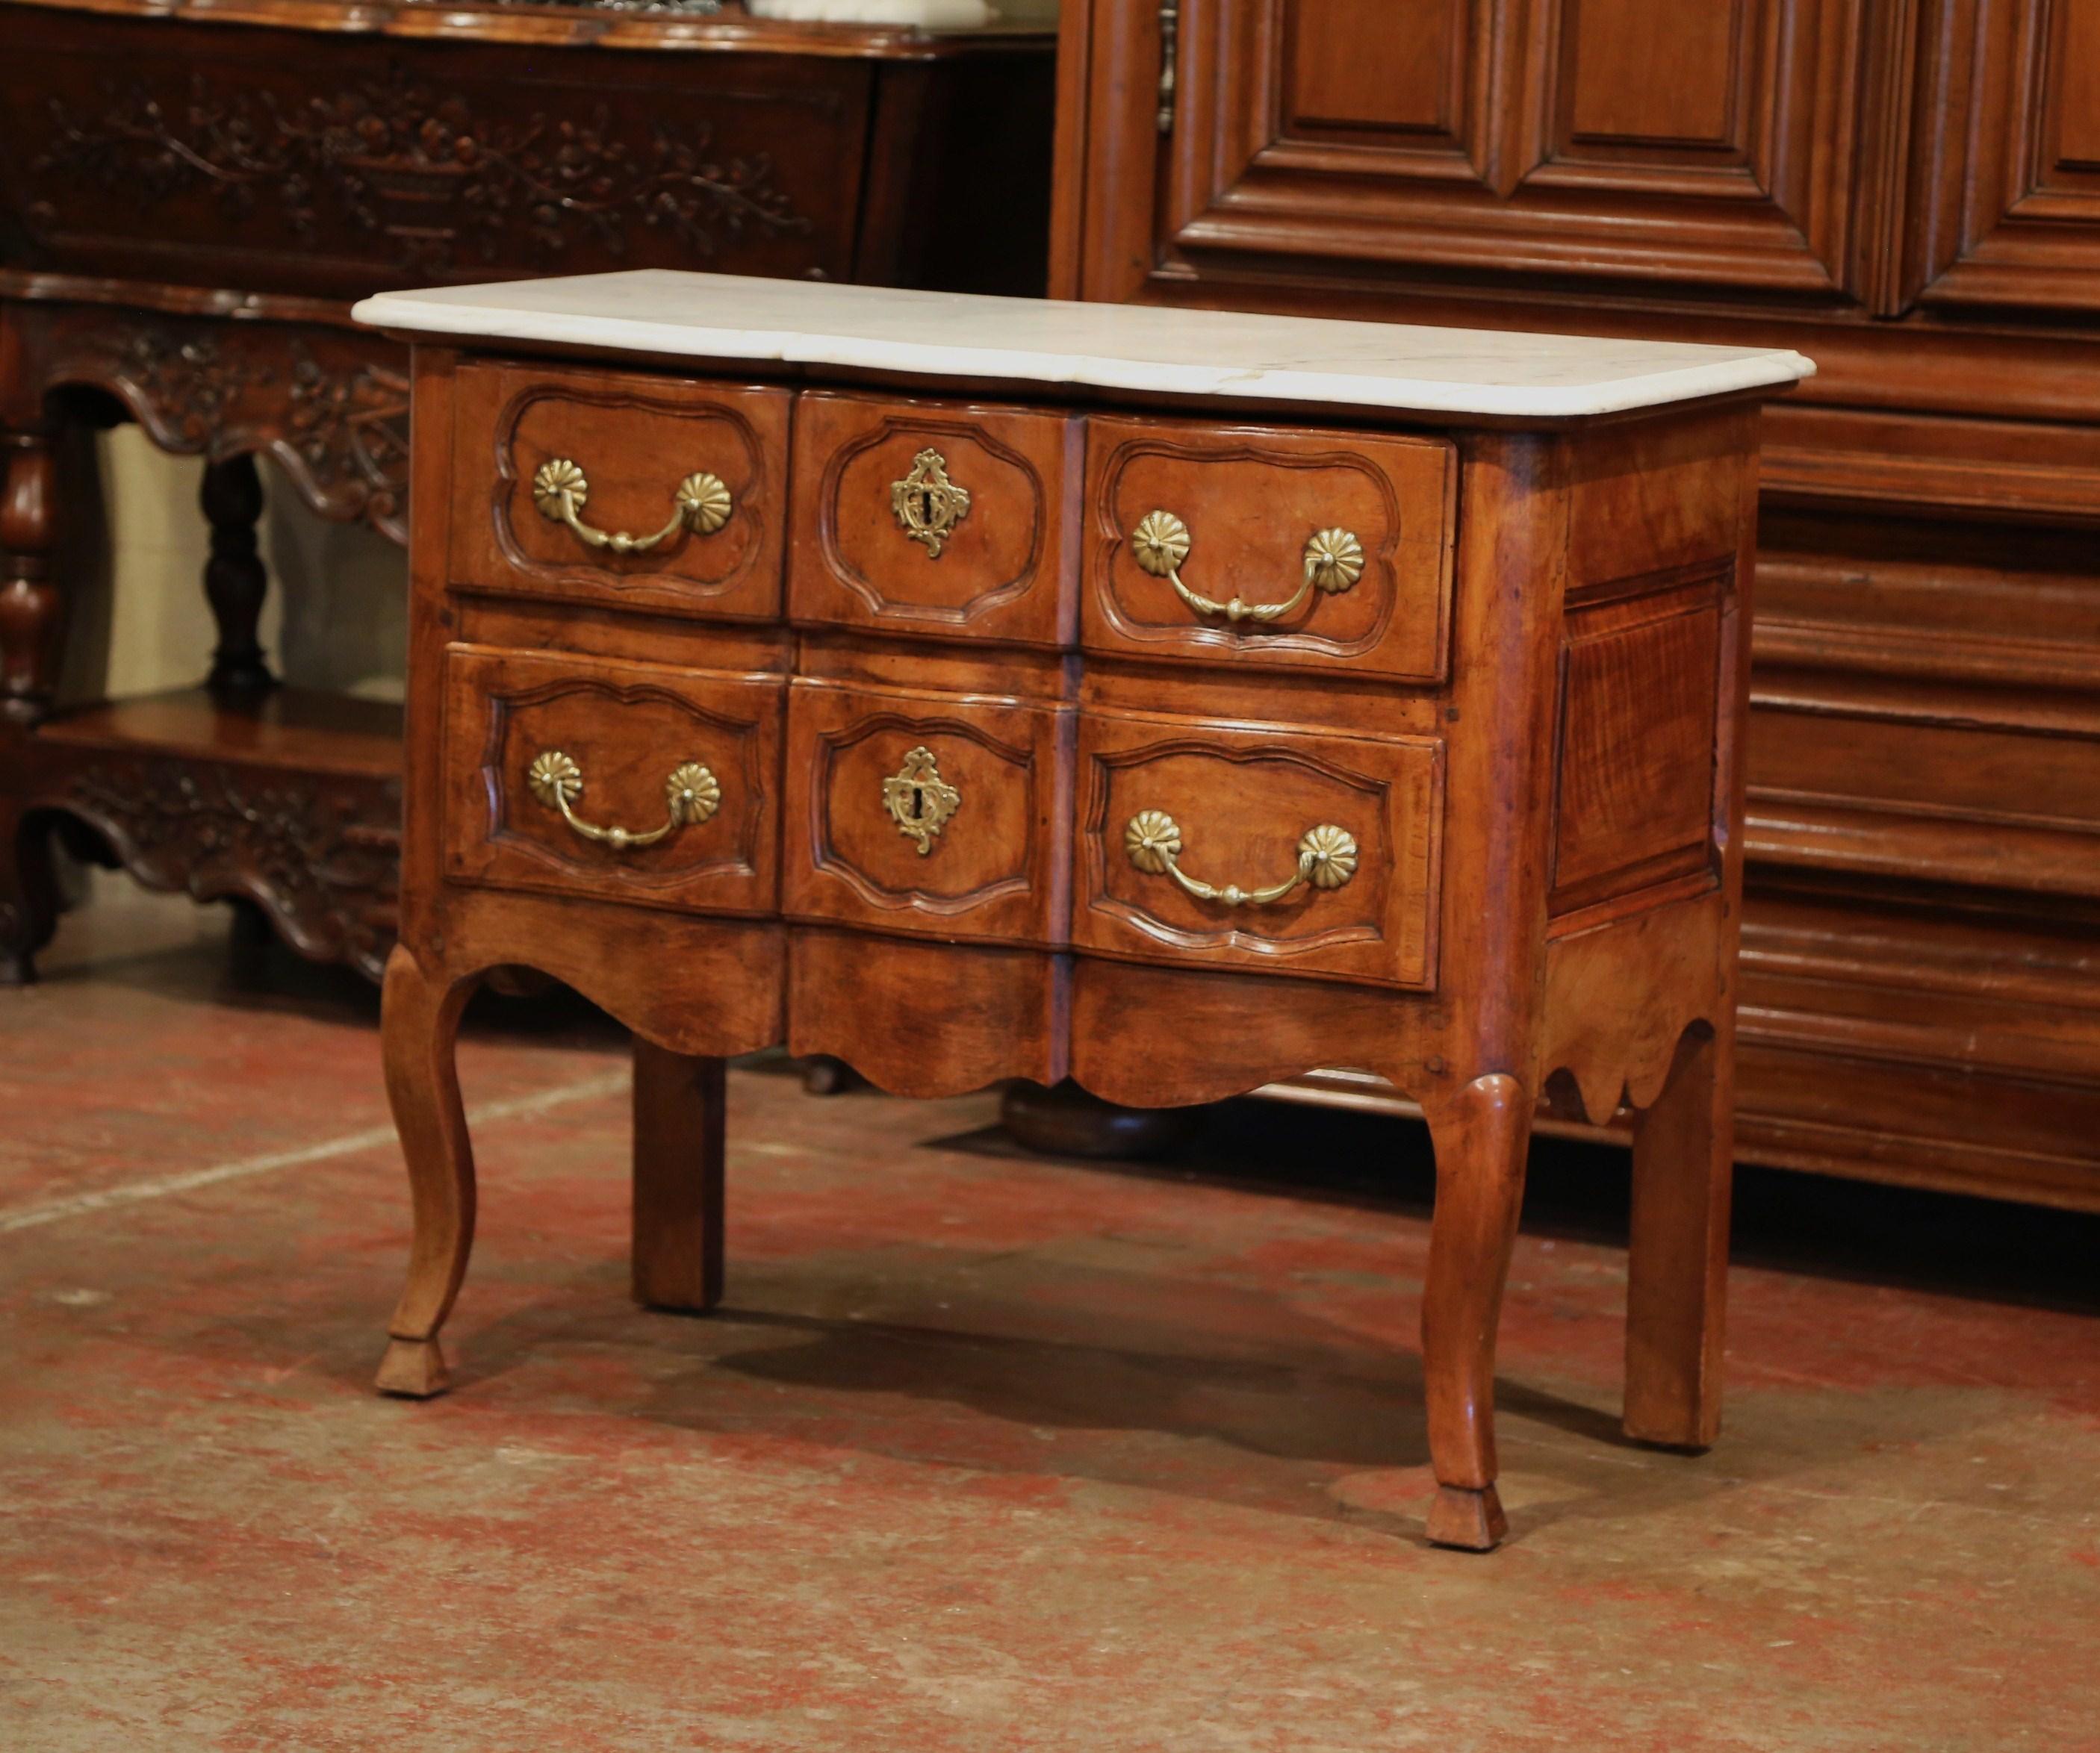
(926, 505)
(918, 803)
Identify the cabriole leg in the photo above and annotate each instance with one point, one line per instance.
(1481, 1135)
(679, 1104)
(419, 1029)
(1677, 1259)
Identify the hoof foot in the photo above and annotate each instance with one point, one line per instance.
(413, 1368)
(1470, 1521)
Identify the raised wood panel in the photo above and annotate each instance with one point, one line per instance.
(1005, 570)
(1635, 802)
(1251, 498)
(2007, 153)
(636, 437)
(1644, 73)
(1516, 135)
(998, 866)
(627, 726)
(1242, 797)
(2074, 111)
(1332, 87)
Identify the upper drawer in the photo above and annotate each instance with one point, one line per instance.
(931, 518)
(622, 782)
(653, 493)
(1268, 547)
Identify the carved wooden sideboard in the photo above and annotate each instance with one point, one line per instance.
(192, 191)
(1907, 191)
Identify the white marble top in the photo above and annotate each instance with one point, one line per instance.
(1146, 348)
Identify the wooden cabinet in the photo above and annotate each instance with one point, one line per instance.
(1439, 782)
(1907, 191)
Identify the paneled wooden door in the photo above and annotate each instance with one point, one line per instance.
(1727, 144)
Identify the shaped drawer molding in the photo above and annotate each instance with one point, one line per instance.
(623, 781)
(1255, 546)
(927, 812)
(649, 493)
(1271, 847)
(940, 519)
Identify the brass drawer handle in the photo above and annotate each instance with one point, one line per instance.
(1333, 561)
(561, 490)
(691, 790)
(1326, 859)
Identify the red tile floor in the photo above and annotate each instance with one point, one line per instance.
(984, 1452)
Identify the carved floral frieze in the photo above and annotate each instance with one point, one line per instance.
(338, 422)
(391, 157)
(321, 857)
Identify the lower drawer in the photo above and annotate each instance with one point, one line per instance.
(1203, 841)
(937, 814)
(624, 781)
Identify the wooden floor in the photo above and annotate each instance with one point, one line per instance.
(984, 1452)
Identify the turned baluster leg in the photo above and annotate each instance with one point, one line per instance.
(1677, 1260)
(419, 1028)
(236, 581)
(32, 624)
(1481, 1135)
(679, 1104)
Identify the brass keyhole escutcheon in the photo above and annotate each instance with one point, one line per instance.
(919, 801)
(926, 505)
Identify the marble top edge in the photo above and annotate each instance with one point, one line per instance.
(1394, 367)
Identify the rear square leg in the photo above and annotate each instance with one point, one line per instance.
(1677, 1258)
(680, 1104)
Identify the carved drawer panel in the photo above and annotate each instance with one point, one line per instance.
(919, 811)
(627, 781)
(1268, 548)
(927, 518)
(653, 493)
(1259, 847)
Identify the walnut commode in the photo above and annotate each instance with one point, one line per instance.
(974, 689)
